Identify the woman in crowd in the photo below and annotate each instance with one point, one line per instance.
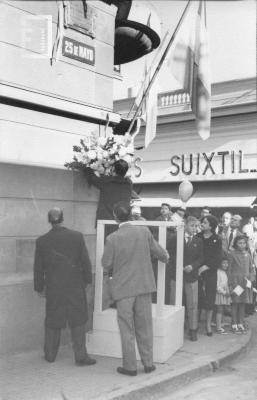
(212, 250)
(240, 277)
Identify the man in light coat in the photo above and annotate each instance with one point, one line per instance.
(62, 269)
(128, 253)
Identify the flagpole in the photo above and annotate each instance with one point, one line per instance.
(158, 67)
(149, 71)
(205, 13)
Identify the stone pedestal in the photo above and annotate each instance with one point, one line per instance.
(168, 333)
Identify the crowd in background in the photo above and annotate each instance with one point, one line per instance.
(220, 261)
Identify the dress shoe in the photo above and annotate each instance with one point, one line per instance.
(50, 360)
(124, 371)
(86, 361)
(149, 369)
(193, 335)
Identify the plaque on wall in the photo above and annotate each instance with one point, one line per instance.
(81, 17)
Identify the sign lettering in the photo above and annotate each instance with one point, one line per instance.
(202, 163)
(78, 51)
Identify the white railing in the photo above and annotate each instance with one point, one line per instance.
(162, 225)
(173, 98)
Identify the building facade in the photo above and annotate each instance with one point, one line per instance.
(222, 169)
(56, 87)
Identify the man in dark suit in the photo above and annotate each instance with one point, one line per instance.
(128, 253)
(232, 231)
(62, 269)
(193, 259)
(112, 188)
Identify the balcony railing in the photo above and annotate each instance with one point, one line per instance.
(173, 98)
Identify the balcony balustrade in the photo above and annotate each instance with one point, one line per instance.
(173, 98)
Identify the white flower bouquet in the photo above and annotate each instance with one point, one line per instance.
(101, 153)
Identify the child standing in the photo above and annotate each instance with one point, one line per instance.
(241, 276)
(222, 294)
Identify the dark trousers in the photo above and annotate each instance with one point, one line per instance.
(52, 342)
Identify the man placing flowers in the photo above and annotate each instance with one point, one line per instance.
(113, 189)
(105, 161)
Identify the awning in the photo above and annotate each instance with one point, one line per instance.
(198, 202)
(220, 194)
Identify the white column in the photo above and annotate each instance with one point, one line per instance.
(161, 275)
(179, 265)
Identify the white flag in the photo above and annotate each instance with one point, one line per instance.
(149, 107)
(188, 60)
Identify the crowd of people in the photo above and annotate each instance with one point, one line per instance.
(220, 261)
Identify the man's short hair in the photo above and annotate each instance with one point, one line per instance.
(55, 215)
(166, 204)
(207, 209)
(227, 212)
(191, 218)
(237, 217)
(122, 211)
(135, 210)
(121, 167)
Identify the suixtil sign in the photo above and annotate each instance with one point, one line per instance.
(215, 163)
(78, 51)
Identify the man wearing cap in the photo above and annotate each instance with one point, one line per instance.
(62, 269)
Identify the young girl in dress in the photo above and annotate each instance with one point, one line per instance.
(222, 294)
(240, 277)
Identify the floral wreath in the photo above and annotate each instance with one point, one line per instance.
(101, 153)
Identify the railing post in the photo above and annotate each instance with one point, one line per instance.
(98, 267)
(161, 274)
(179, 265)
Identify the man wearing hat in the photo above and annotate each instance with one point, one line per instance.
(62, 269)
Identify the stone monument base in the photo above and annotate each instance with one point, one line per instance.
(168, 330)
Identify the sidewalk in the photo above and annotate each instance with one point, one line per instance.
(28, 377)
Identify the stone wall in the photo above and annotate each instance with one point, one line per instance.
(26, 195)
(36, 139)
